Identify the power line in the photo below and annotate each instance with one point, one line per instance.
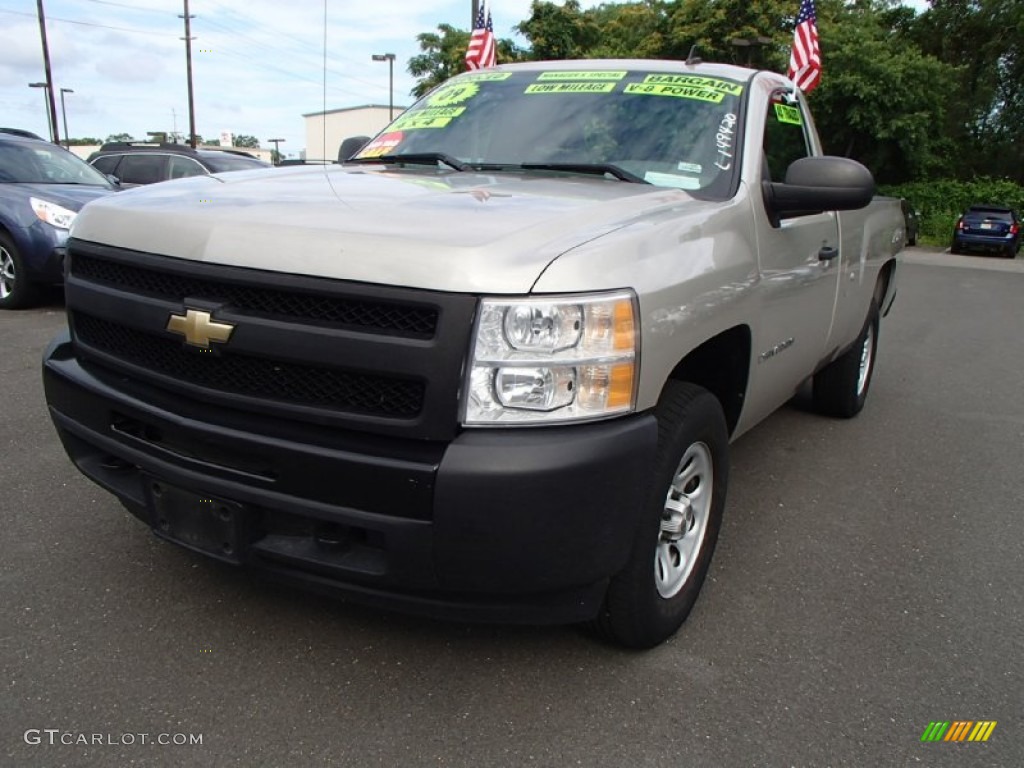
(84, 23)
(205, 21)
(241, 21)
(130, 7)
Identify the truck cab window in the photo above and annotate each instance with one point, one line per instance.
(785, 138)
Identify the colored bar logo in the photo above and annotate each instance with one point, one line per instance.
(959, 730)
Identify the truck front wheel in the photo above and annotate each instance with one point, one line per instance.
(649, 599)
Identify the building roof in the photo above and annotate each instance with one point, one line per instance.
(397, 108)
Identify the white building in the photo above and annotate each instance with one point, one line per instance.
(326, 130)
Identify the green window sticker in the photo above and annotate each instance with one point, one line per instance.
(679, 91)
(454, 94)
(431, 117)
(485, 77)
(571, 88)
(787, 114)
(696, 81)
(578, 76)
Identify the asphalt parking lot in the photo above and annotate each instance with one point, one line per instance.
(867, 583)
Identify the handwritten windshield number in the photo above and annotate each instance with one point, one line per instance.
(724, 140)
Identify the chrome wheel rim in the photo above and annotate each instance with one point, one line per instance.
(867, 354)
(7, 276)
(684, 520)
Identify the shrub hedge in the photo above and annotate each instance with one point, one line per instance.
(940, 203)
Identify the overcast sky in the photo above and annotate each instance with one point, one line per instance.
(258, 65)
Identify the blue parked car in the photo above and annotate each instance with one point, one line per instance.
(987, 227)
(42, 188)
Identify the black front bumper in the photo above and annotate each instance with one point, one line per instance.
(499, 525)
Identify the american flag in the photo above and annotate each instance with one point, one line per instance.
(805, 60)
(481, 51)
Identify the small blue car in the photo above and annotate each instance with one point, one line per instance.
(987, 227)
(42, 188)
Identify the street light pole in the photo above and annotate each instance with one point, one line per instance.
(390, 59)
(64, 115)
(277, 151)
(46, 103)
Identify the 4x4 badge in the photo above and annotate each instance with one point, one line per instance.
(198, 328)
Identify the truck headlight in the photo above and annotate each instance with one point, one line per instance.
(52, 214)
(553, 359)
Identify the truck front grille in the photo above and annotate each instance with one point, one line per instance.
(256, 377)
(374, 358)
(415, 321)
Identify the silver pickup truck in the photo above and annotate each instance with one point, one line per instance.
(490, 366)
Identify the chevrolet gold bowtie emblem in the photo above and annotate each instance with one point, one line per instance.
(198, 328)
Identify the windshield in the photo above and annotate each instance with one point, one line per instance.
(44, 163)
(669, 130)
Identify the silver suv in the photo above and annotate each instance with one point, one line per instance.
(136, 164)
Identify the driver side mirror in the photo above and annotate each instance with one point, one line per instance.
(816, 184)
(350, 146)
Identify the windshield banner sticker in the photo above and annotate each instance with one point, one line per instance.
(696, 81)
(382, 145)
(485, 77)
(578, 76)
(571, 88)
(454, 94)
(679, 91)
(431, 117)
(787, 114)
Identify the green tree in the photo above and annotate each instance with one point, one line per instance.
(985, 40)
(560, 31)
(714, 26)
(243, 140)
(443, 56)
(119, 138)
(881, 100)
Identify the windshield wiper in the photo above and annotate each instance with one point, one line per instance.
(597, 169)
(416, 158)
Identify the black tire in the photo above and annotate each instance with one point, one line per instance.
(646, 604)
(1010, 251)
(841, 388)
(16, 291)
(954, 248)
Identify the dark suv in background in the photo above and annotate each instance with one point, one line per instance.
(987, 227)
(135, 164)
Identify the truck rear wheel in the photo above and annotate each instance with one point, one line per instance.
(841, 388)
(652, 596)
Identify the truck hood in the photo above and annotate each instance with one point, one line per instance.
(414, 227)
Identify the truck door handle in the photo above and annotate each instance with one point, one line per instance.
(827, 253)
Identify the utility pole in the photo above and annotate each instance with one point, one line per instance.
(54, 131)
(188, 67)
(64, 115)
(277, 150)
(476, 9)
